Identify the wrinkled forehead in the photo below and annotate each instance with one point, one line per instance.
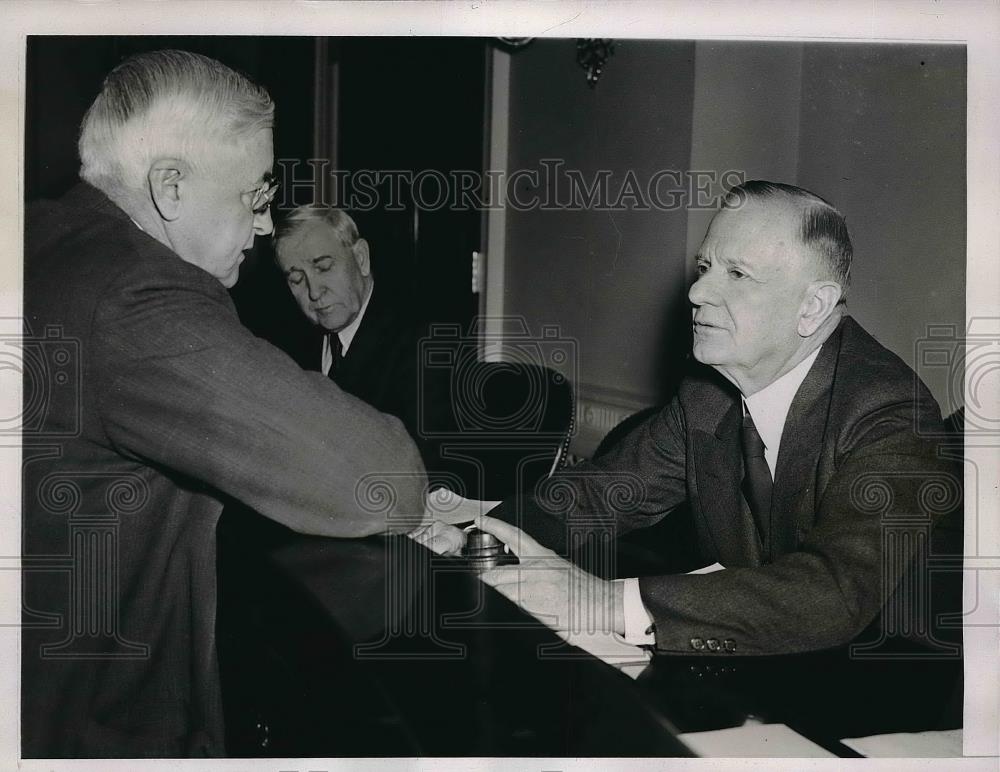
(758, 229)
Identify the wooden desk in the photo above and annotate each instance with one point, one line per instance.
(376, 647)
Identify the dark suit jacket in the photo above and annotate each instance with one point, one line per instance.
(856, 460)
(383, 368)
(380, 366)
(157, 401)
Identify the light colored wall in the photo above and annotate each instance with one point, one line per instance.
(612, 281)
(883, 137)
(746, 116)
(868, 127)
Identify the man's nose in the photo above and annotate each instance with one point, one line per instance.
(701, 291)
(262, 224)
(314, 289)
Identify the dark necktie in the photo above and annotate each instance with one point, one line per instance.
(757, 481)
(336, 353)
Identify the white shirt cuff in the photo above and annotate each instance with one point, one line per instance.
(638, 622)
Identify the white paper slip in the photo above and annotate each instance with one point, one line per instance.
(448, 507)
(754, 740)
(709, 569)
(909, 745)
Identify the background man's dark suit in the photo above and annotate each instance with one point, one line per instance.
(850, 461)
(382, 367)
(179, 404)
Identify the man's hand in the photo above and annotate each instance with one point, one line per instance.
(552, 589)
(439, 537)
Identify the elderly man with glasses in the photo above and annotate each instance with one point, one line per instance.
(176, 405)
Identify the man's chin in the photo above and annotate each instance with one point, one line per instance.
(333, 322)
(230, 279)
(707, 355)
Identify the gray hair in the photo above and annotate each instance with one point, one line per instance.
(301, 216)
(823, 228)
(166, 104)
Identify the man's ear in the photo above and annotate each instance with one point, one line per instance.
(820, 301)
(165, 179)
(361, 255)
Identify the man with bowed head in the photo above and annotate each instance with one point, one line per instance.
(176, 401)
(790, 410)
(364, 342)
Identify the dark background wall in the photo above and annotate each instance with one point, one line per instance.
(416, 105)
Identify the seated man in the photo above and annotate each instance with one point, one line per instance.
(796, 440)
(366, 347)
(174, 405)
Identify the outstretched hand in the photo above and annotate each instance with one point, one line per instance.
(442, 538)
(551, 588)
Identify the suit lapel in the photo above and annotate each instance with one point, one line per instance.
(802, 438)
(719, 462)
(360, 363)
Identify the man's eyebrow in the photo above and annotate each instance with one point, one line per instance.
(737, 262)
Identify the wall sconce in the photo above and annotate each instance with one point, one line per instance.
(592, 54)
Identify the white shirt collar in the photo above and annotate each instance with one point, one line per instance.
(769, 406)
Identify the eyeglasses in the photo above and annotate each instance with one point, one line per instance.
(260, 198)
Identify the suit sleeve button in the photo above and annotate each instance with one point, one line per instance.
(729, 644)
(697, 644)
(713, 644)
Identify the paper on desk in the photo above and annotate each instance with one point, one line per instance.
(907, 745)
(709, 569)
(751, 740)
(447, 506)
